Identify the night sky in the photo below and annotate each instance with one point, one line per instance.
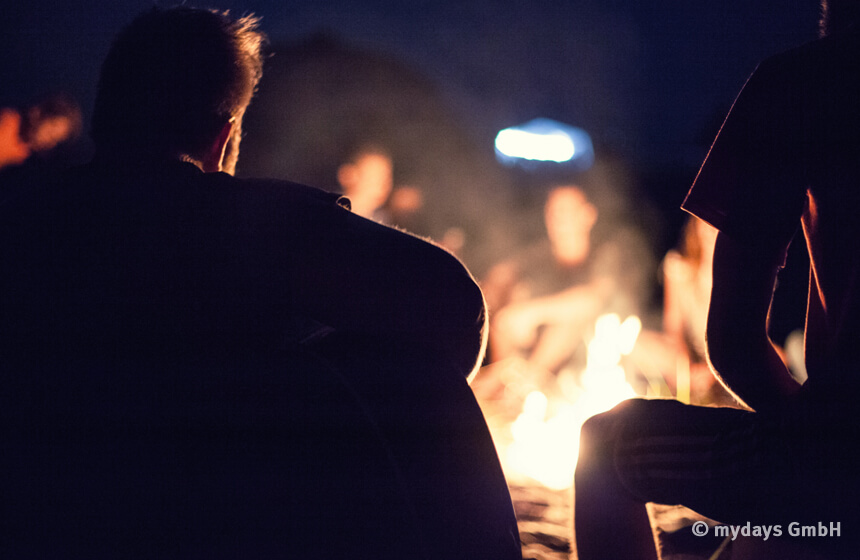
(649, 79)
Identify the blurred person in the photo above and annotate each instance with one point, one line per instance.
(37, 143)
(203, 366)
(366, 178)
(405, 207)
(688, 277)
(38, 129)
(785, 157)
(13, 149)
(545, 300)
(677, 354)
(406, 201)
(405, 210)
(54, 120)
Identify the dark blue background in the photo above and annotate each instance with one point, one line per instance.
(650, 78)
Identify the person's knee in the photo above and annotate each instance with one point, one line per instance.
(596, 429)
(600, 433)
(606, 425)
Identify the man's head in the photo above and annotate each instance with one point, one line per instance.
(837, 15)
(176, 83)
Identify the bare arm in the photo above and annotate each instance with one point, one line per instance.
(516, 326)
(565, 306)
(739, 349)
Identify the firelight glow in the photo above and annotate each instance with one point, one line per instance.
(545, 444)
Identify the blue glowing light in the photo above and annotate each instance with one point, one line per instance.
(545, 140)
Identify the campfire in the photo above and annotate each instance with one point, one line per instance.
(541, 444)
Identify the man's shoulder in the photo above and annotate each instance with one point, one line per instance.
(278, 189)
(184, 179)
(807, 63)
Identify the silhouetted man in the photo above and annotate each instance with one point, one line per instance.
(786, 156)
(197, 366)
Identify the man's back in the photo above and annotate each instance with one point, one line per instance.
(179, 383)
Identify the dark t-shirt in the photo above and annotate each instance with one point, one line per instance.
(174, 252)
(197, 366)
(789, 153)
(620, 257)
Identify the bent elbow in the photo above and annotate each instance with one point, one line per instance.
(730, 348)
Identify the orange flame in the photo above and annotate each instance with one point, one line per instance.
(545, 436)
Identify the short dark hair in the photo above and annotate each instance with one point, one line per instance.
(173, 77)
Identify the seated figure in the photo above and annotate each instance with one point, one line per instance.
(785, 157)
(198, 366)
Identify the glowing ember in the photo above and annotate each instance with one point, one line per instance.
(545, 442)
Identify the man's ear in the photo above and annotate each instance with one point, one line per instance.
(214, 158)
